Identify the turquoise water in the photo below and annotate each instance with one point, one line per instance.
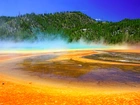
(49, 45)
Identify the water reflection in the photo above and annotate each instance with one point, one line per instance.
(80, 71)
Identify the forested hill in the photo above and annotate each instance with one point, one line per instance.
(71, 26)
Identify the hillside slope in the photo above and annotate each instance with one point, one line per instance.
(71, 26)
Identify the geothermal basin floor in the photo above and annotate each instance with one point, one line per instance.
(28, 90)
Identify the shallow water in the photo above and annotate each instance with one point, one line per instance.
(72, 71)
(116, 57)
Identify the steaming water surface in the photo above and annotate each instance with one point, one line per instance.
(66, 70)
(50, 45)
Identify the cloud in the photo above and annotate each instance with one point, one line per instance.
(98, 19)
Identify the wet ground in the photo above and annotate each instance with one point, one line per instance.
(73, 71)
(126, 57)
(68, 79)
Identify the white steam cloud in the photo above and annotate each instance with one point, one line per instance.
(56, 44)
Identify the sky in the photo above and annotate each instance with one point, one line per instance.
(106, 10)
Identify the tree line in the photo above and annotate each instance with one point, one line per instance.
(72, 26)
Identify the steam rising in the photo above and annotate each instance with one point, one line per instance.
(49, 45)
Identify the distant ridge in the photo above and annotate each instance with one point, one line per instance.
(70, 25)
